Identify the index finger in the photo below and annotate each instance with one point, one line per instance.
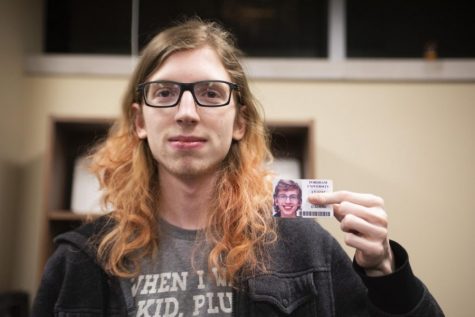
(367, 200)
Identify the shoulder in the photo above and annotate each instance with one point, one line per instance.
(86, 236)
(81, 242)
(75, 253)
(72, 279)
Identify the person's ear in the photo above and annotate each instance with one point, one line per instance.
(139, 121)
(239, 128)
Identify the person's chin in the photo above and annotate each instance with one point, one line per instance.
(189, 167)
(288, 215)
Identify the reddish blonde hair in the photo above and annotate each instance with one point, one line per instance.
(239, 224)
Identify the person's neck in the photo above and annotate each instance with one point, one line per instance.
(185, 201)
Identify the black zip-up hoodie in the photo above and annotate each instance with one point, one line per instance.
(309, 275)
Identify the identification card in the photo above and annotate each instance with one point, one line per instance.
(291, 198)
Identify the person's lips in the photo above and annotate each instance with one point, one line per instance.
(186, 142)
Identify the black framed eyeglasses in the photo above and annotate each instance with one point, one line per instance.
(206, 93)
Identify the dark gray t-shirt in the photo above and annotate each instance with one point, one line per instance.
(177, 282)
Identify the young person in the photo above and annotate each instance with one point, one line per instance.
(287, 198)
(192, 232)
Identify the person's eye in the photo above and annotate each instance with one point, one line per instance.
(211, 93)
(163, 93)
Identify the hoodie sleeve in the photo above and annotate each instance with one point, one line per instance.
(400, 292)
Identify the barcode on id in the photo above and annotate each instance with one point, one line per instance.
(315, 214)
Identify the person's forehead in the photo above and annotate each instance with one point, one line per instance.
(290, 190)
(191, 65)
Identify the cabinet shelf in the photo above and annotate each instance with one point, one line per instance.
(68, 215)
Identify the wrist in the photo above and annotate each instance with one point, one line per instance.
(395, 293)
(386, 267)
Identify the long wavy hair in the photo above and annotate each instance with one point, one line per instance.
(239, 224)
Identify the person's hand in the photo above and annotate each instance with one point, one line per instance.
(365, 223)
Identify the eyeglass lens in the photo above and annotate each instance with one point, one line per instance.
(283, 197)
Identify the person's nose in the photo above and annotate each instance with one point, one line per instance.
(187, 110)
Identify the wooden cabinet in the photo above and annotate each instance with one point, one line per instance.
(71, 138)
